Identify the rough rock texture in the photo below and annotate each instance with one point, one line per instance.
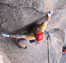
(15, 14)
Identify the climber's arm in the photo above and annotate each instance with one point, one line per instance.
(43, 26)
(45, 23)
(27, 37)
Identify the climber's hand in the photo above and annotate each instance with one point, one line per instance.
(5, 35)
(50, 13)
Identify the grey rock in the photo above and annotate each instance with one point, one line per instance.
(16, 14)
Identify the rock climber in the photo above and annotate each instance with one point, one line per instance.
(37, 33)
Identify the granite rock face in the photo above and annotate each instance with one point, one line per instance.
(16, 14)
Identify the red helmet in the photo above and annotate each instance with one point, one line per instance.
(39, 36)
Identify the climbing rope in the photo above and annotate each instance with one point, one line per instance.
(48, 45)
